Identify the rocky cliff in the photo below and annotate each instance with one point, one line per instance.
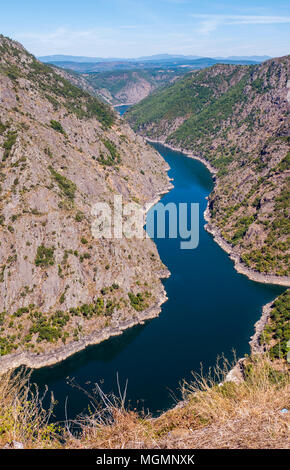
(236, 118)
(61, 151)
(122, 86)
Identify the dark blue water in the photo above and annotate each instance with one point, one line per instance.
(211, 310)
(122, 108)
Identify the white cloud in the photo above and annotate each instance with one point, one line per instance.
(207, 26)
(211, 22)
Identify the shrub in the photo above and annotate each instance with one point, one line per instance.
(113, 158)
(8, 144)
(278, 330)
(79, 216)
(137, 301)
(57, 126)
(67, 186)
(44, 256)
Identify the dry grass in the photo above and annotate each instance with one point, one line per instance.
(243, 415)
(228, 415)
(22, 416)
(231, 415)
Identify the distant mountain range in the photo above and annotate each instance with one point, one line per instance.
(159, 57)
(166, 62)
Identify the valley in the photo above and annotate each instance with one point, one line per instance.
(141, 314)
(221, 115)
(128, 81)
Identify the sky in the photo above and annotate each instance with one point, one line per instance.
(134, 28)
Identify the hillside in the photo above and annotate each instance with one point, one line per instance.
(61, 151)
(126, 81)
(236, 118)
(131, 86)
(122, 87)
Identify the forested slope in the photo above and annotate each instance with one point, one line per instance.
(237, 119)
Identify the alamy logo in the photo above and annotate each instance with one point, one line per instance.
(128, 220)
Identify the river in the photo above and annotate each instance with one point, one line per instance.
(211, 310)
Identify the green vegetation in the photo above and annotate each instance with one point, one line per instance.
(187, 95)
(265, 260)
(13, 72)
(113, 157)
(285, 163)
(3, 128)
(79, 216)
(73, 98)
(204, 100)
(85, 256)
(273, 256)
(218, 114)
(278, 329)
(243, 224)
(138, 301)
(209, 119)
(259, 87)
(50, 327)
(57, 126)
(44, 256)
(8, 143)
(67, 187)
(7, 344)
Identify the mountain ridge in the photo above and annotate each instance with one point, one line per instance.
(122, 87)
(71, 58)
(124, 65)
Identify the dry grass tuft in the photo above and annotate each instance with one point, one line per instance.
(22, 416)
(237, 415)
(214, 414)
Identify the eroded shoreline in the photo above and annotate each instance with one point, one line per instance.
(37, 361)
(240, 267)
(215, 232)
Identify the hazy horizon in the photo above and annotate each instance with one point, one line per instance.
(157, 55)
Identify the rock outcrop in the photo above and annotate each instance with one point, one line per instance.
(122, 87)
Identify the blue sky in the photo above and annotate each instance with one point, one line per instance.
(133, 28)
